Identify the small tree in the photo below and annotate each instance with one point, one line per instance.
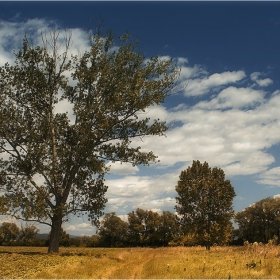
(144, 227)
(204, 204)
(135, 228)
(86, 241)
(8, 233)
(113, 230)
(52, 164)
(168, 227)
(27, 235)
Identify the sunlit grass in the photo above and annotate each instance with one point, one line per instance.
(251, 262)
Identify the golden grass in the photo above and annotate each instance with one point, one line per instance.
(141, 263)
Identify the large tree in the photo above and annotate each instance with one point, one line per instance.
(204, 204)
(260, 221)
(53, 164)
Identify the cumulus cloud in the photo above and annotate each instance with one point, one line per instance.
(80, 229)
(260, 82)
(235, 139)
(188, 72)
(181, 61)
(270, 177)
(122, 168)
(154, 113)
(162, 203)
(123, 217)
(145, 192)
(233, 97)
(202, 85)
(12, 34)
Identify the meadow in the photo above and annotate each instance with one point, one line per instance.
(246, 262)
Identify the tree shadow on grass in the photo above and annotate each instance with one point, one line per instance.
(22, 252)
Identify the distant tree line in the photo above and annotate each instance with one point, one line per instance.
(12, 235)
(260, 222)
(204, 216)
(144, 228)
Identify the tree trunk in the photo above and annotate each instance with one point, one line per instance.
(207, 245)
(55, 233)
(208, 234)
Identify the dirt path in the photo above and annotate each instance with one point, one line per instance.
(130, 268)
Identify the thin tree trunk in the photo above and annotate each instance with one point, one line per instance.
(55, 233)
(207, 245)
(208, 233)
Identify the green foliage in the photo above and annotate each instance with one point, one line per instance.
(150, 228)
(260, 221)
(27, 236)
(8, 233)
(204, 204)
(86, 241)
(113, 231)
(168, 227)
(53, 164)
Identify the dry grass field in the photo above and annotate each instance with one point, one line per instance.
(251, 262)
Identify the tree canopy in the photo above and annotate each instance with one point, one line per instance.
(52, 164)
(8, 233)
(27, 235)
(260, 222)
(146, 227)
(113, 230)
(204, 204)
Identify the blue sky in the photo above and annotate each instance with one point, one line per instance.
(228, 114)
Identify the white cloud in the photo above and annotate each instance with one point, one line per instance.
(164, 57)
(122, 168)
(235, 139)
(261, 82)
(12, 34)
(80, 229)
(188, 72)
(181, 61)
(154, 113)
(64, 106)
(145, 192)
(204, 84)
(163, 202)
(270, 177)
(233, 97)
(123, 217)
